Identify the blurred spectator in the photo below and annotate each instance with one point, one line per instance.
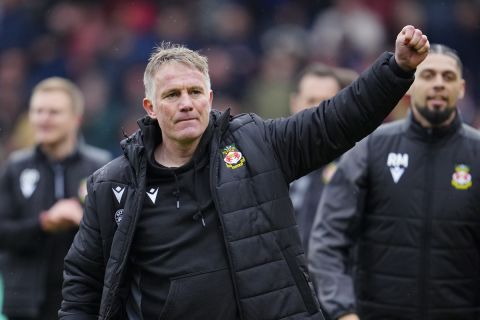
(16, 24)
(317, 82)
(284, 50)
(75, 38)
(131, 92)
(41, 190)
(13, 73)
(101, 116)
(348, 33)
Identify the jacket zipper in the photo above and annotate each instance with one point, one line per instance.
(213, 182)
(424, 273)
(139, 189)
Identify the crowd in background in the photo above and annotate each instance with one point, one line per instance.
(255, 47)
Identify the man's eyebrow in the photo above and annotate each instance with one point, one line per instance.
(195, 88)
(431, 70)
(168, 91)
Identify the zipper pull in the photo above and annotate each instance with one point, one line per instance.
(176, 194)
(199, 215)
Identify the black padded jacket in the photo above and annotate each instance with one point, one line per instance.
(265, 254)
(406, 200)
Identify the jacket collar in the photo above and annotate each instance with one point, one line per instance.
(432, 135)
(221, 120)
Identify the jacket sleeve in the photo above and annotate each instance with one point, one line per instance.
(315, 136)
(16, 233)
(84, 267)
(334, 233)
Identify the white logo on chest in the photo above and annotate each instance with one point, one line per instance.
(152, 194)
(397, 162)
(28, 181)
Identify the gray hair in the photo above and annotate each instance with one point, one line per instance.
(167, 52)
(63, 85)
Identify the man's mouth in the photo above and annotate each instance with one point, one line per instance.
(185, 119)
(437, 101)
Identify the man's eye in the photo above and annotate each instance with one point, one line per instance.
(450, 77)
(171, 95)
(428, 75)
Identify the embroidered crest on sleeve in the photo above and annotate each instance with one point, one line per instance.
(232, 157)
(461, 178)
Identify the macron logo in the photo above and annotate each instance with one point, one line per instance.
(397, 162)
(152, 194)
(118, 192)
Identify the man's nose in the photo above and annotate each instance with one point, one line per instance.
(439, 81)
(42, 116)
(185, 102)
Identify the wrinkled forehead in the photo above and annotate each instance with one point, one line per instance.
(178, 72)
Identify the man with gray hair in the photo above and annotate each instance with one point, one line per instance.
(194, 221)
(41, 195)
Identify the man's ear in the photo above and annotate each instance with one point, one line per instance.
(462, 90)
(148, 106)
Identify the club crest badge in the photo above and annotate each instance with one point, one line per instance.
(28, 181)
(232, 157)
(461, 178)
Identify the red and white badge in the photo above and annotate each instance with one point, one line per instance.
(461, 178)
(232, 157)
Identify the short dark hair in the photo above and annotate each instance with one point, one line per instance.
(317, 70)
(342, 76)
(443, 49)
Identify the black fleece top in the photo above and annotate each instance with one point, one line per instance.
(178, 246)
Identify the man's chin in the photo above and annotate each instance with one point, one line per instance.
(189, 136)
(436, 116)
(46, 140)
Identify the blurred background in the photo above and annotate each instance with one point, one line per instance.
(255, 47)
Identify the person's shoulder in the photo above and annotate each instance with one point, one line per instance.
(117, 170)
(391, 128)
(94, 153)
(21, 156)
(470, 132)
(224, 118)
